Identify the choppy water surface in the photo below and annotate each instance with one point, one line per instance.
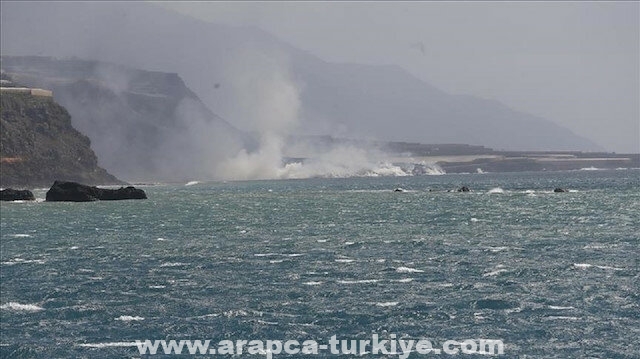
(554, 275)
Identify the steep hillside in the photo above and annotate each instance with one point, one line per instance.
(38, 145)
(348, 100)
(143, 125)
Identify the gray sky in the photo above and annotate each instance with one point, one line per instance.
(575, 63)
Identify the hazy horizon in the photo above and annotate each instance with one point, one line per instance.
(575, 64)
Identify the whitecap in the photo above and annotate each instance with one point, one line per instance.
(265, 254)
(386, 304)
(497, 249)
(344, 260)
(20, 235)
(175, 264)
(404, 280)
(609, 267)
(496, 190)
(17, 307)
(161, 239)
(191, 183)
(295, 255)
(595, 246)
(582, 265)
(276, 261)
(556, 307)
(312, 283)
(74, 247)
(157, 286)
(494, 273)
(23, 261)
(474, 219)
(129, 318)
(554, 317)
(587, 265)
(408, 270)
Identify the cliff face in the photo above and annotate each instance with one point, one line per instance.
(38, 145)
(143, 125)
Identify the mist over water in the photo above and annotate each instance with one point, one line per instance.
(269, 99)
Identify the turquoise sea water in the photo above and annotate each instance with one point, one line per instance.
(553, 275)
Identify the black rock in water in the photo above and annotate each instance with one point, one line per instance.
(464, 189)
(11, 194)
(76, 192)
(558, 190)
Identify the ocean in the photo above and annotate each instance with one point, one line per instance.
(552, 275)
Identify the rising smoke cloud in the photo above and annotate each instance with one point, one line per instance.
(269, 99)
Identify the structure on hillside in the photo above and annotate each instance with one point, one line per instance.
(27, 90)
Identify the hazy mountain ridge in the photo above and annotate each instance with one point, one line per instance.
(143, 124)
(382, 102)
(38, 145)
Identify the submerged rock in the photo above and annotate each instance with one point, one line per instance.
(558, 190)
(76, 192)
(11, 194)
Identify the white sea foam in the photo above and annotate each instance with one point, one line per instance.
(157, 286)
(161, 239)
(386, 304)
(497, 249)
(174, 264)
(344, 260)
(555, 307)
(558, 317)
(312, 283)
(18, 307)
(129, 318)
(20, 235)
(473, 219)
(191, 183)
(23, 261)
(408, 270)
(587, 265)
(494, 273)
(404, 280)
(275, 261)
(496, 190)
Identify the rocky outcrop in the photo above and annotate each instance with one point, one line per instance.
(143, 125)
(11, 194)
(464, 189)
(76, 192)
(38, 144)
(560, 190)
